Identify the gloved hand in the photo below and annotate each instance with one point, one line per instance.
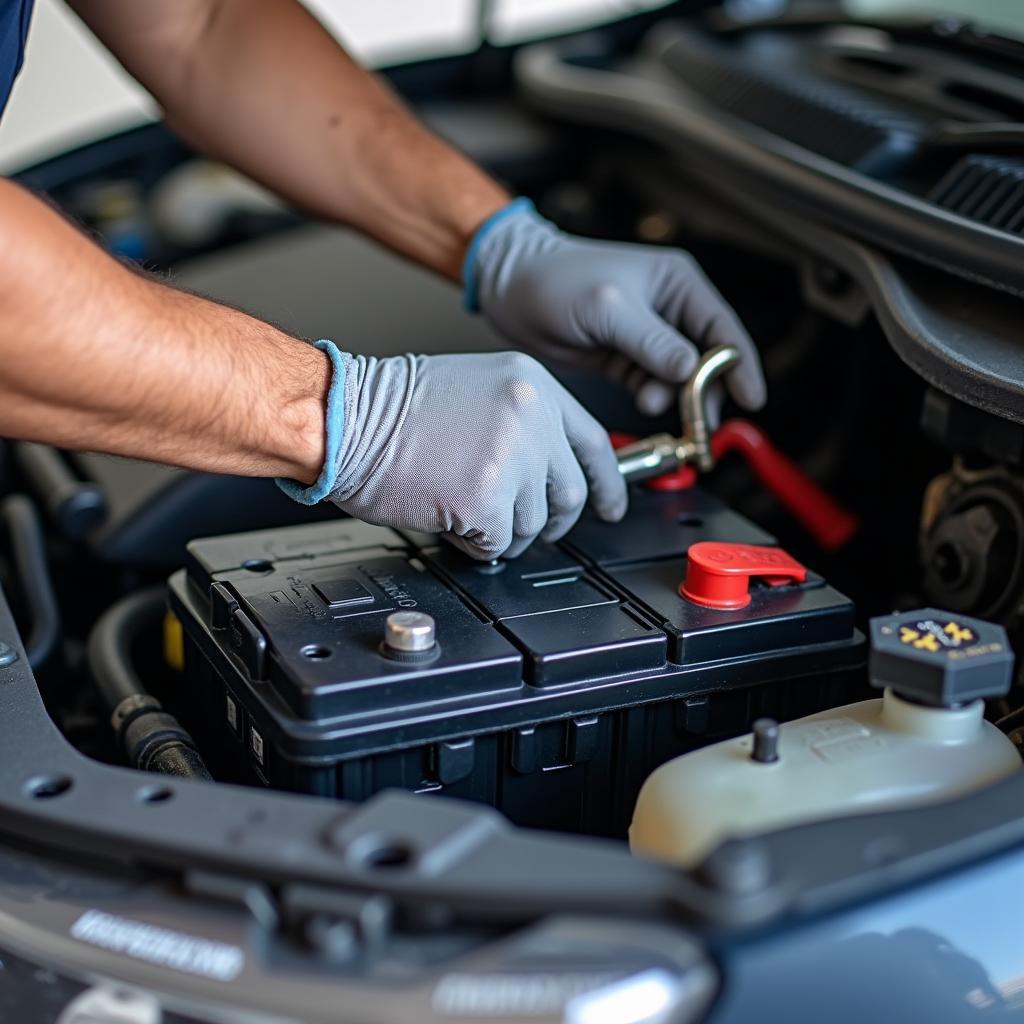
(637, 313)
(488, 450)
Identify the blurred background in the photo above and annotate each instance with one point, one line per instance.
(72, 91)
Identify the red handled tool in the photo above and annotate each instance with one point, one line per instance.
(828, 522)
(671, 463)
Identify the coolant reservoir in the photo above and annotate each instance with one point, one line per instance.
(925, 739)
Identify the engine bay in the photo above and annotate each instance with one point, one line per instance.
(854, 191)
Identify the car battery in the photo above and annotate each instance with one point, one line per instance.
(555, 684)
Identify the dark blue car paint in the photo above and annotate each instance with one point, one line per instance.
(950, 950)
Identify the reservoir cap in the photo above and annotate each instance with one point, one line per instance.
(940, 658)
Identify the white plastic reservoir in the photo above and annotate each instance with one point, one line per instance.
(877, 754)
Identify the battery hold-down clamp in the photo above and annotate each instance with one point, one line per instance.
(669, 463)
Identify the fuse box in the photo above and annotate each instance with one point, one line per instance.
(555, 683)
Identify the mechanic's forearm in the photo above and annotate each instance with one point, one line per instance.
(265, 87)
(96, 357)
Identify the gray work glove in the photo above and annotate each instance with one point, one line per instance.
(489, 451)
(636, 313)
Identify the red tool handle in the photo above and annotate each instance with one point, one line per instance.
(822, 516)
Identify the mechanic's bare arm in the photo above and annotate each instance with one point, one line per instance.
(266, 88)
(94, 356)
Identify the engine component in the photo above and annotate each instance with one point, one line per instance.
(152, 739)
(984, 188)
(73, 505)
(972, 544)
(20, 522)
(553, 685)
(925, 739)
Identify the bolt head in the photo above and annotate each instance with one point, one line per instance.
(409, 632)
(8, 655)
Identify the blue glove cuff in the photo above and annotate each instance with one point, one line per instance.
(469, 296)
(335, 428)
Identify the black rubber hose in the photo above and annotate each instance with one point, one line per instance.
(111, 639)
(28, 552)
(152, 739)
(74, 506)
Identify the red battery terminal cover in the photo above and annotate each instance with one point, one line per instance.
(718, 575)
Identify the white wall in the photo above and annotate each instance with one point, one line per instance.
(71, 90)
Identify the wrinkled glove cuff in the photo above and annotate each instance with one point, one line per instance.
(335, 431)
(470, 298)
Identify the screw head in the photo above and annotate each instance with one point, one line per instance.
(8, 655)
(409, 632)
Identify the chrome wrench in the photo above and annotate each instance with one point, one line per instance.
(662, 453)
